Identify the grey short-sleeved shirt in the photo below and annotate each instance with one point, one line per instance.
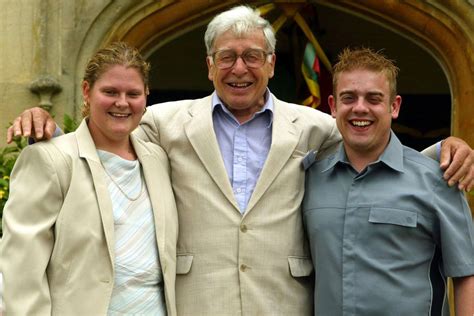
(384, 240)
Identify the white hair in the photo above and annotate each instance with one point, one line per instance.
(241, 20)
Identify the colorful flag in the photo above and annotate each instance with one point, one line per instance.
(311, 72)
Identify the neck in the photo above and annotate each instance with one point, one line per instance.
(361, 155)
(244, 115)
(123, 149)
(360, 162)
(360, 159)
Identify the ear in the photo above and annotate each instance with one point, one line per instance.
(332, 105)
(210, 68)
(85, 90)
(395, 106)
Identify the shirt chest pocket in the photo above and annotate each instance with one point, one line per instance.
(393, 217)
(391, 234)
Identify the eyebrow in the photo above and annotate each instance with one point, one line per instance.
(370, 93)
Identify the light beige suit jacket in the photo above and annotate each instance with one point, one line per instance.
(58, 247)
(229, 264)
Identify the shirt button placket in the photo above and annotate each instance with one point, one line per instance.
(348, 252)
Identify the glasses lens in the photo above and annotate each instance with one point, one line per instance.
(253, 58)
(225, 58)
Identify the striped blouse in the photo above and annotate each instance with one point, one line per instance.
(138, 281)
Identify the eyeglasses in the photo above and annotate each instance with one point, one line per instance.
(253, 58)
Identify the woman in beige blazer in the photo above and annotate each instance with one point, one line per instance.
(90, 226)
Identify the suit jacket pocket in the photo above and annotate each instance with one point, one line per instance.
(300, 266)
(184, 263)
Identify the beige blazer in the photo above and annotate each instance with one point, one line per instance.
(229, 264)
(58, 246)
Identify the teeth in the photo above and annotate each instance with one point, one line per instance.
(240, 85)
(360, 123)
(119, 114)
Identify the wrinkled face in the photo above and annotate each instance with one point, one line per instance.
(117, 101)
(241, 88)
(363, 111)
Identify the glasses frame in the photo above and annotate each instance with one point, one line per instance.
(237, 56)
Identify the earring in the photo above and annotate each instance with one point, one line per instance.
(86, 108)
(144, 110)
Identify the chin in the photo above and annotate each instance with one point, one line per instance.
(123, 132)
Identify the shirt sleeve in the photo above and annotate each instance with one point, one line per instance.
(433, 152)
(456, 231)
(57, 132)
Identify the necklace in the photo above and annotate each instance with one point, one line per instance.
(142, 187)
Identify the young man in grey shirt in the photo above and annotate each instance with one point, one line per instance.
(384, 227)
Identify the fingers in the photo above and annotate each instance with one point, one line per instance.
(34, 122)
(10, 135)
(49, 128)
(454, 177)
(21, 126)
(467, 183)
(456, 168)
(445, 156)
(39, 118)
(457, 159)
(461, 169)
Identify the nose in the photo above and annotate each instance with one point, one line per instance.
(239, 66)
(121, 100)
(360, 106)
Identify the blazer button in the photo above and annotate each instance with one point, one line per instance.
(243, 228)
(243, 267)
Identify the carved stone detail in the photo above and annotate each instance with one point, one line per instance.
(45, 87)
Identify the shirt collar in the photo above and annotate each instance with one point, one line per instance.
(392, 156)
(269, 105)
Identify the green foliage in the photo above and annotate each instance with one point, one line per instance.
(8, 156)
(69, 124)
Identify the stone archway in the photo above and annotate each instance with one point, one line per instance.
(442, 29)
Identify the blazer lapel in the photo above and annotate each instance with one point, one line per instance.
(88, 151)
(285, 136)
(153, 173)
(200, 132)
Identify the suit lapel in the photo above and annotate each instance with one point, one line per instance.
(285, 136)
(152, 173)
(88, 151)
(200, 132)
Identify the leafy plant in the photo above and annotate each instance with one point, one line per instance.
(8, 156)
(69, 124)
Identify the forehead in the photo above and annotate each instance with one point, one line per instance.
(230, 40)
(120, 75)
(362, 80)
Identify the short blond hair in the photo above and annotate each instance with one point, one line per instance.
(366, 58)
